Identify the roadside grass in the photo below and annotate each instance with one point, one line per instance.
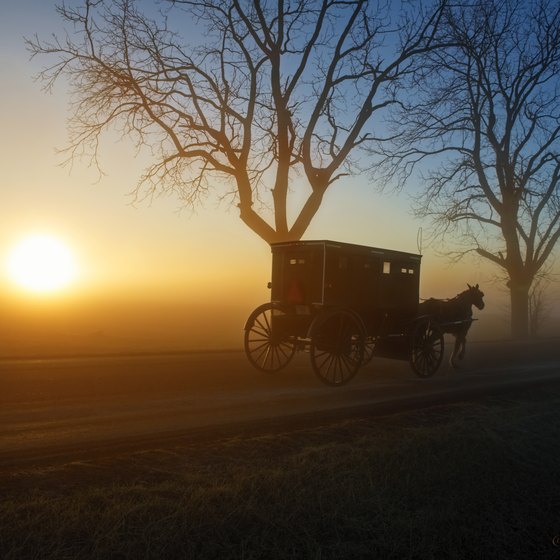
(470, 480)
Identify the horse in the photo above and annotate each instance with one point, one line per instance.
(455, 317)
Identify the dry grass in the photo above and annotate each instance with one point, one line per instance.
(478, 480)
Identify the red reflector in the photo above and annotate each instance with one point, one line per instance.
(295, 293)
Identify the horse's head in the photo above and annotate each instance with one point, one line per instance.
(476, 296)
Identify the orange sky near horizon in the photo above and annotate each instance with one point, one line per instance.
(150, 276)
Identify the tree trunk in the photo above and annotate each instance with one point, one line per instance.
(519, 294)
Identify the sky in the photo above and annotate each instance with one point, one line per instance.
(151, 275)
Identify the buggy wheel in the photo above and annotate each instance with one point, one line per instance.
(426, 351)
(264, 349)
(337, 347)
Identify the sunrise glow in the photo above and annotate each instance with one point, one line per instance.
(41, 264)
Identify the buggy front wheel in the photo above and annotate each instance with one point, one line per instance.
(337, 346)
(426, 351)
(266, 350)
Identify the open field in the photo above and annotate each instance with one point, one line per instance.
(468, 480)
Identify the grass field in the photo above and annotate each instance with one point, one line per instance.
(470, 480)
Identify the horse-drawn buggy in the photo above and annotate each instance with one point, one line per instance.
(344, 304)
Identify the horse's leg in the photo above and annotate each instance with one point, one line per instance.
(463, 347)
(453, 359)
(463, 336)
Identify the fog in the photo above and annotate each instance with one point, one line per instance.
(122, 323)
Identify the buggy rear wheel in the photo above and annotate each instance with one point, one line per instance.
(265, 350)
(426, 351)
(337, 346)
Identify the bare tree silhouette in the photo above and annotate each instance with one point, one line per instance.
(273, 91)
(487, 111)
(540, 301)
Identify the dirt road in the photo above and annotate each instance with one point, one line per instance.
(71, 408)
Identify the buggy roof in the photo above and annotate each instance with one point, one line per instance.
(349, 248)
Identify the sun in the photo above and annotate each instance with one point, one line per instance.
(41, 264)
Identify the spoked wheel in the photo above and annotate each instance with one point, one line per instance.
(264, 348)
(337, 347)
(426, 347)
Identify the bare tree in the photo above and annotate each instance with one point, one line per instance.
(540, 302)
(486, 114)
(271, 92)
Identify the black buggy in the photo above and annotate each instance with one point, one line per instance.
(344, 304)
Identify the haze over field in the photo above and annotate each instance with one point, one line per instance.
(149, 277)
